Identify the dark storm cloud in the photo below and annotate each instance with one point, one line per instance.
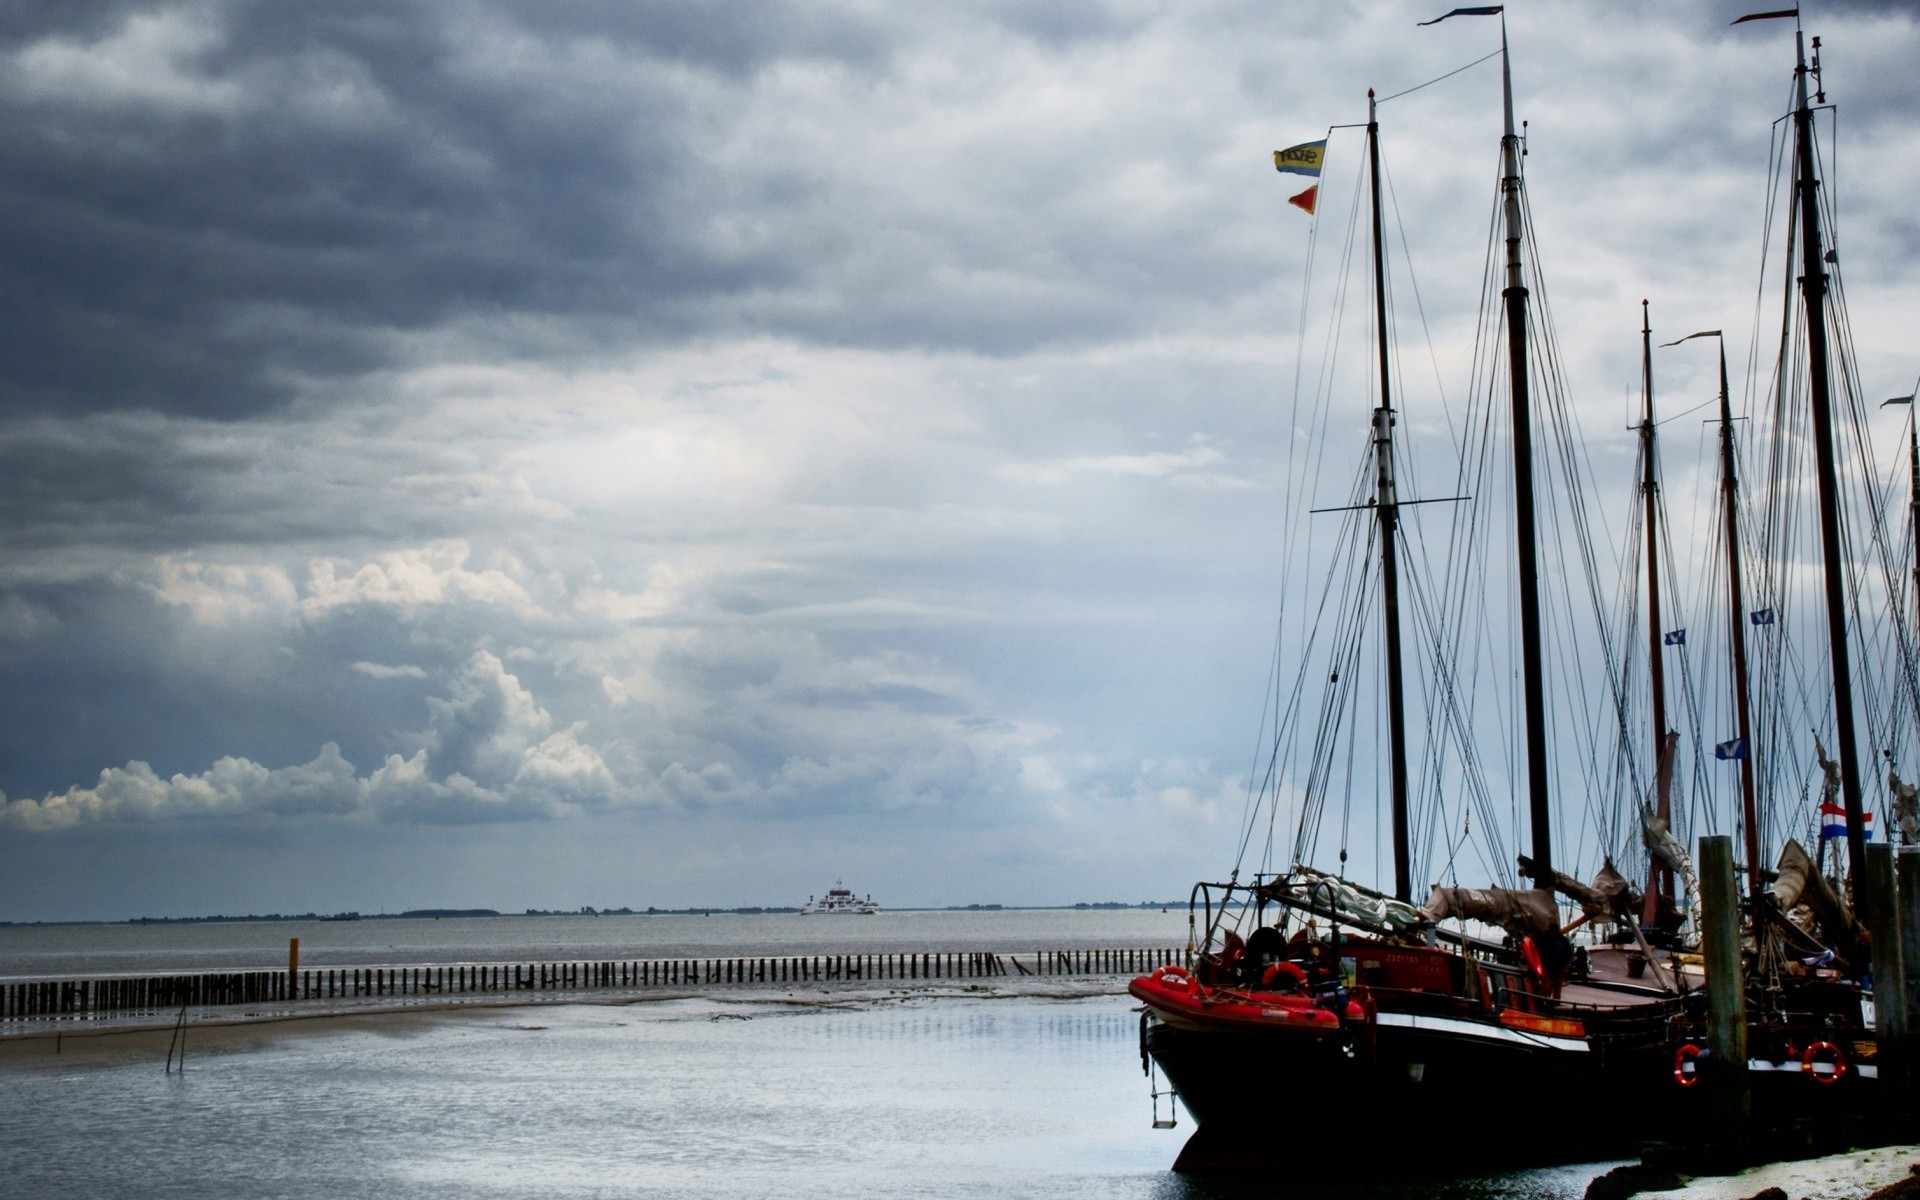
(302, 183)
(209, 210)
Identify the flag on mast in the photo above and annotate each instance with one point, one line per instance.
(1304, 159)
(1833, 822)
(1487, 10)
(1306, 200)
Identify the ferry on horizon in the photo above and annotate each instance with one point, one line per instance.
(840, 900)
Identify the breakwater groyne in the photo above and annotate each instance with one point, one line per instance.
(153, 993)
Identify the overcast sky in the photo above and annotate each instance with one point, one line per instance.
(627, 453)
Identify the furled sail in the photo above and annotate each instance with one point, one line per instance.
(1906, 807)
(1520, 911)
(1608, 897)
(1798, 881)
(1336, 897)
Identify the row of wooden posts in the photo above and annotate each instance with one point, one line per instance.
(82, 997)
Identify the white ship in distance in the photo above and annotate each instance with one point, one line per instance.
(840, 899)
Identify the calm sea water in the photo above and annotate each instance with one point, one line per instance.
(946, 1097)
(57, 951)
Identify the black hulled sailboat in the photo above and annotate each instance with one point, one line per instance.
(1354, 1000)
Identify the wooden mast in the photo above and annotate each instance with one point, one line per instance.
(1813, 292)
(1514, 297)
(1533, 665)
(1737, 630)
(1388, 510)
(1913, 491)
(1659, 879)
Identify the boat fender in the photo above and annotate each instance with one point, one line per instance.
(1285, 975)
(1836, 1056)
(1686, 1064)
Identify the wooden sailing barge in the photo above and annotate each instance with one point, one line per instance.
(1300, 983)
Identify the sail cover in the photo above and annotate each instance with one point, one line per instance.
(1800, 882)
(1336, 897)
(1608, 897)
(1521, 912)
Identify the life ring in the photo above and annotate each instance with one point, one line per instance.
(1176, 979)
(1531, 953)
(1295, 978)
(1810, 1059)
(1686, 1070)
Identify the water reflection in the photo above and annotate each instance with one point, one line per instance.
(942, 1098)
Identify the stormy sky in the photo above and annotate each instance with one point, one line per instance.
(628, 453)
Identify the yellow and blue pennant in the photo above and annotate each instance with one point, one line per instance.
(1304, 159)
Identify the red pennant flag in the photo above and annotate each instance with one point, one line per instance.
(1305, 200)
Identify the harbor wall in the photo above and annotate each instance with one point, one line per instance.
(25, 1000)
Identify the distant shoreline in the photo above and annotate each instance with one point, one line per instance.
(422, 914)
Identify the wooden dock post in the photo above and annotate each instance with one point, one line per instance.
(1889, 977)
(1724, 1069)
(1907, 887)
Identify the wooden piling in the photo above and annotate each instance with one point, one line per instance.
(1889, 977)
(1724, 1069)
(1907, 885)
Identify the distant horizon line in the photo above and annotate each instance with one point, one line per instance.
(420, 914)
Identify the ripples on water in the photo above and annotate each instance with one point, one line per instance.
(931, 1098)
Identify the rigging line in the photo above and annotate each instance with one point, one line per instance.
(1291, 532)
(1687, 413)
(1426, 328)
(1437, 79)
(1310, 800)
(1569, 450)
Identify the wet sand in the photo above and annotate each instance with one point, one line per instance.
(56, 1043)
(1851, 1176)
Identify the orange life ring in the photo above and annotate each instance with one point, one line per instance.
(1812, 1055)
(1686, 1071)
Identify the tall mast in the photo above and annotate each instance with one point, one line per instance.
(1913, 492)
(1737, 630)
(1388, 509)
(1533, 667)
(1659, 879)
(1813, 292)
(1514, 296)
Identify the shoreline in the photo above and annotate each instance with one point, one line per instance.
(1852, 1175)
(39, 1043)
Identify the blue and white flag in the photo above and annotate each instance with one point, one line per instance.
(1736, 748)
(1763, 616)
(1677, 638)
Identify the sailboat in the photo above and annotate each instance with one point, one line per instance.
(1812, 1048)
(1356, 1000)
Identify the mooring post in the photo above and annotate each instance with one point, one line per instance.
(1907, 878)
(1889, 976)
(1724, 1070)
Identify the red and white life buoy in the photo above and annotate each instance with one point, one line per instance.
(1828, 1055)
(1686, 1067)
(1176, 979)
